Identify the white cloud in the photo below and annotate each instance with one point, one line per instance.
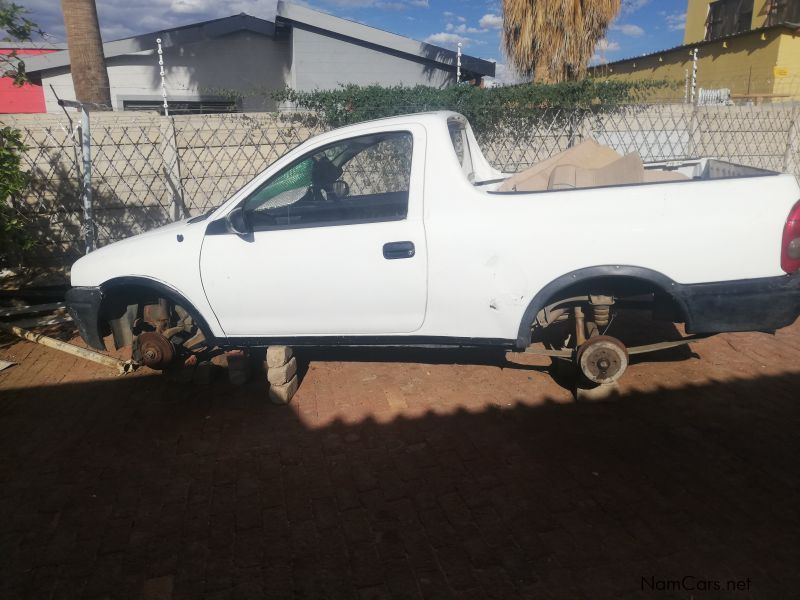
(463, 28)
(628, 29)
(382, 4)
(491, 21)
(676, 21)
(606, 45)
(503, 75)
(352, 3)
(602, 49)
(189, 6)
(447, 39)
(124, 18)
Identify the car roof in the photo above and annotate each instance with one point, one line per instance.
(438, 116)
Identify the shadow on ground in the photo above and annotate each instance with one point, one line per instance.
(135, 487)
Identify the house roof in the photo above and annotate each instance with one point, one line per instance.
(788, 28)
(357, 32)
(188, 34)
(288, 15)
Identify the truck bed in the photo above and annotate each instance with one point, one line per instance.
(702, 169)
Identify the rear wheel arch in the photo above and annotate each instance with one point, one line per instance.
(607, 277)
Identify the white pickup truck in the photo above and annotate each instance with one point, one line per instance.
(398, 232)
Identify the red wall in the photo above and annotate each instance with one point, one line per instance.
(26, 99)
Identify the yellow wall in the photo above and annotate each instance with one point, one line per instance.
(697, 13)
(746, 66)
(786, 73)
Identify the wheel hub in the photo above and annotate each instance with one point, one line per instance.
(602, 359)
(155, 351)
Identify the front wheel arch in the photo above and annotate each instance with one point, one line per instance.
(116, 291)
(608, 274)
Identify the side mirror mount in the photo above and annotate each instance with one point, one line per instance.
(235, 222)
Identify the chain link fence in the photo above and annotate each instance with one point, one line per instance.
(148, 170)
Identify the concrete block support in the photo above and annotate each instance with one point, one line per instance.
(277, 356)
(281, 369)
(281, 375)
(282, 394)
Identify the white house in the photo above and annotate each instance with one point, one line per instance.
(232, 63)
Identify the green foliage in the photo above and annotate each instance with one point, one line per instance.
(13, 182)
(487, 109)
(12, 21)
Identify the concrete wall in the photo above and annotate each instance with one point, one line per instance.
(323, 61)
(242, 62)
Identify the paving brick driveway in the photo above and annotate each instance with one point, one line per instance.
(389, 478)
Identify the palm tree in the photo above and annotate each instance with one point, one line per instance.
(89, 75)
(553, 40)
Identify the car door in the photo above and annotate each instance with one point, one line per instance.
(336, 244)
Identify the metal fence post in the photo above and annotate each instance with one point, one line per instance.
(90, 231)
(172, 168)
(86, 191)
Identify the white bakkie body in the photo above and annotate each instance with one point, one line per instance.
(480, 257)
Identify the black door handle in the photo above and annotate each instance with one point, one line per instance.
(395, 250)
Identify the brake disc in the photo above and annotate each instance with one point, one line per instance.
(602, 359)
(155, 351)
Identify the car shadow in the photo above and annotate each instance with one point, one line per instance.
(133, 484)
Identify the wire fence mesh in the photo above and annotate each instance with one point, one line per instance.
(148, 170)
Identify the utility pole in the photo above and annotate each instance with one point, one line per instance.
(686, 88)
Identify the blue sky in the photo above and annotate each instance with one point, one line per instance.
(642, 26)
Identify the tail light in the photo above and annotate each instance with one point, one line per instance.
(790, 248)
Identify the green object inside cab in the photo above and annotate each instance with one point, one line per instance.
(298, 176)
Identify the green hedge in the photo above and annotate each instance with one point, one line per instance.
(487, 109)
(13, 181)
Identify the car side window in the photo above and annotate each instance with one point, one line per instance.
(360, 180)
(458, 135)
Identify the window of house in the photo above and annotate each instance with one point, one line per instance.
(361, 180)
(728, 17)
(199, 107)
(783, 11)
